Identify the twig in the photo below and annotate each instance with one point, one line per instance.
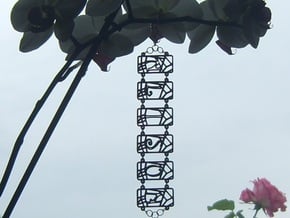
(80, 74)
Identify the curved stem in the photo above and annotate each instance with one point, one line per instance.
(80, 74)
(133, 20)
(44, 141)
(61, 75)
(184, 19)
(255, 214)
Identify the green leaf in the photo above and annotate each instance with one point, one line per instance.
(223, 204)
(230, 215)
(239, 214)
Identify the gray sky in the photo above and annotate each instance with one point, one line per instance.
(232, 125)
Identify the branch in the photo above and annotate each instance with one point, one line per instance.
(80, 74)
(132, 20)
(178, 19)
(60, 76)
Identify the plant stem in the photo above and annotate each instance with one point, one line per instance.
(256, 212)
(61, 75)
(80, 74)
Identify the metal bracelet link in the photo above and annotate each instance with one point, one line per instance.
(154, 119)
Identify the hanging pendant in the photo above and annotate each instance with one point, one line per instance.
(154, 143)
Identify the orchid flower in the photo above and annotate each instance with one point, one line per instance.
(38, 19)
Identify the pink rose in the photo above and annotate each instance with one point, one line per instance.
(265, 196)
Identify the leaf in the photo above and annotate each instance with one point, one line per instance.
(31, 41)
(223, 204)
(230, 215)
(239, 214)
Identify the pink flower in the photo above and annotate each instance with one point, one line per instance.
(265, 196)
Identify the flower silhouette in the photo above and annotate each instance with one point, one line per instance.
(38, 19)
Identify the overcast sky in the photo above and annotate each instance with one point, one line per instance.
(231, 114)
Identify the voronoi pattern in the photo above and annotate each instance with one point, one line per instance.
(154, 117)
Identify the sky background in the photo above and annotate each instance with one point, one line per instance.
(231, 125)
